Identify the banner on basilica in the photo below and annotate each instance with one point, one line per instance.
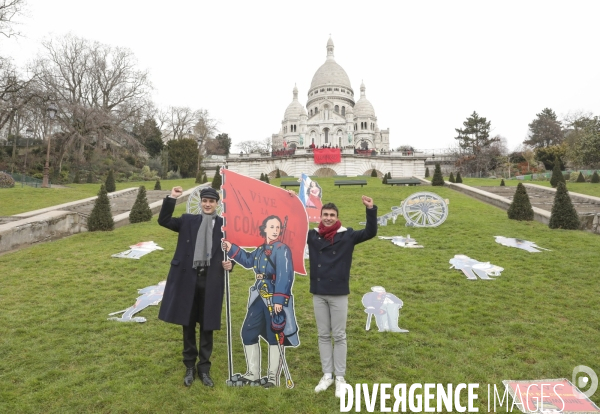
(327, 155)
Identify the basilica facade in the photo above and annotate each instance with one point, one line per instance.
(331, 118)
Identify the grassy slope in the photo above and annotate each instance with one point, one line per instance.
(22, 199)
(538, 320)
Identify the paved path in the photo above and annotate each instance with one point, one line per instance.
(544, 199)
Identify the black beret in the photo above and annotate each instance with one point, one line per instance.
(209, 193)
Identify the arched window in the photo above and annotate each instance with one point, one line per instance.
(311, 112)
(326, 131)
(329, 89)
(322, 89)
(336, 109)
(343, 111)
(316, 110)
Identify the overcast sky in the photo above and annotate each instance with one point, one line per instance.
(426, 65)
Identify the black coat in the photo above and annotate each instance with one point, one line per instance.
(178, 298)
(330, 263)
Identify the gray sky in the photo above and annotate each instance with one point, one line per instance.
(426, 65)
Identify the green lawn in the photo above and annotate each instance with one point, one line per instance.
(22, 199)
(538, 320)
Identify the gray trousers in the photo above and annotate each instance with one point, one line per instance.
(331, 314)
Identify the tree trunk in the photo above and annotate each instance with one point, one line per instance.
(14, 152)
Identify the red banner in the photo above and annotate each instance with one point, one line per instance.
(327, 155)
(247, 202)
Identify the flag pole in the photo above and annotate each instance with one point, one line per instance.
(227, 293)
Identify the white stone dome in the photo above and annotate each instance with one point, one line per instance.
(294, 109)
(363, 108)
(330, 73)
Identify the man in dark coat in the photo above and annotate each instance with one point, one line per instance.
(196, 284)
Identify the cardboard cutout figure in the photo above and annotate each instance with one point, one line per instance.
(266, 218)
(151, 295)
(386, 308)
(403, 241)
(383, 220)
(310, 195)
(519, 244)
(138, 250)
(473, 268)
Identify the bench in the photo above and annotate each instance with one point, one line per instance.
(339, 183)
(286, 184)
(403, 181)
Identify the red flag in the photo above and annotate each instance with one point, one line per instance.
(327, 155)
(248, 201)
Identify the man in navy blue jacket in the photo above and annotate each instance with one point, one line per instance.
(330, 248)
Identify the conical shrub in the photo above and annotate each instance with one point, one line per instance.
(502, 184)
(520, 208)
(580, 178)
(458, 178)
(451, 178)
(277, 174)
(563, 215)
(157, 185)
(216, 182)
(90, 178)
(262, 177)
(77, 178)
(373, 172)
(427, 172)
(595, 177)
(385, 178)
(199, 177)
(110, 182)
(101, 217)
(267, 179)
(438, 179)
(204, 179)
(557, 176)
(140, 211)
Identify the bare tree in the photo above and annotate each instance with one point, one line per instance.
(247, 146)
(9, 9)
(205, 128)
(176, 121)
(99, 92)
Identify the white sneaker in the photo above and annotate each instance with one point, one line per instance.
(339, 390)
(324, 383)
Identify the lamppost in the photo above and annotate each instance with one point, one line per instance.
(51, 112)
(29, 135)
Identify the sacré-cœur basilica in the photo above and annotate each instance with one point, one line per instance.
(332, 123)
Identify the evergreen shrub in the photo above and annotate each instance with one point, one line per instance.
(563, 215)
(520, 208)
(101, 217)
(140, 211)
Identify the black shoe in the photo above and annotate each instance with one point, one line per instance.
(206, 380)
(269, 385)
(189, 376)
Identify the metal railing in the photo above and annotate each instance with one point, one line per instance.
(26, 180)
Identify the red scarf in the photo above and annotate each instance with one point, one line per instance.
(329, 232)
